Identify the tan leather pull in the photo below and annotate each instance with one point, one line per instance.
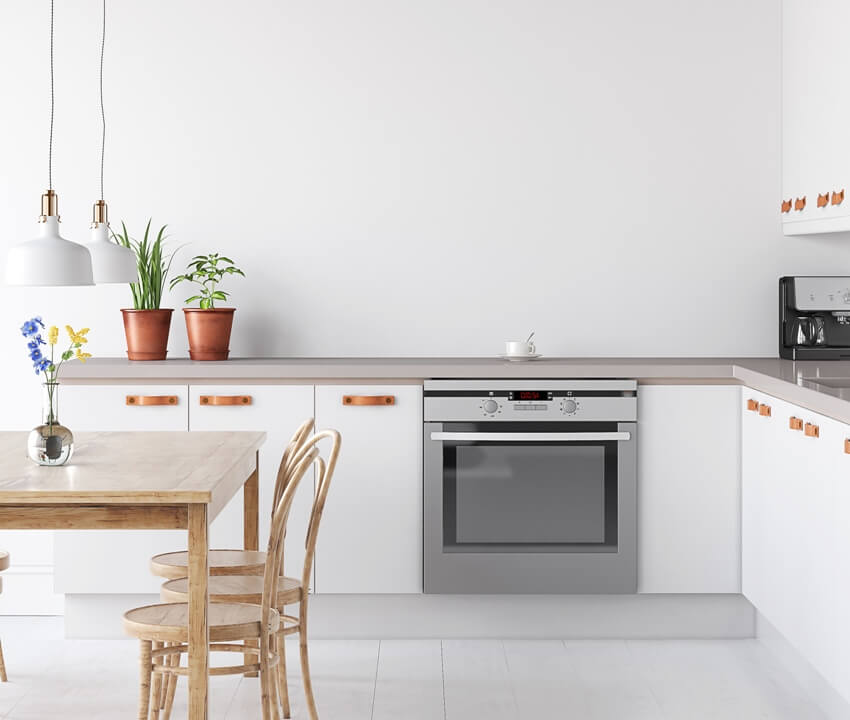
(368, 399)
(764, 410)
(795, 423)
(786, 206)
(753, 405)
(812, 430)
(838, 197)
(800, 203)
(823, 200)
(226, 400)
(847, 446)
(151, 400)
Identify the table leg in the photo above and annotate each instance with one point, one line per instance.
(251, 532)
(199, 635)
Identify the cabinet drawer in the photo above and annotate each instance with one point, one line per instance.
(124, 407)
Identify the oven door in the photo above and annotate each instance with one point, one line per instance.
(550, 495)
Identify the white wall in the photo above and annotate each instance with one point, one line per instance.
(408, 177)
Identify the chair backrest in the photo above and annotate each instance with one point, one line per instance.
(325, 471)
(302, 458)
(301, 434)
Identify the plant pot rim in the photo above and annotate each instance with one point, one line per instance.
(133, 310)
(209, 310)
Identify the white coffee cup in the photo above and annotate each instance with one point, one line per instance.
(514, 347)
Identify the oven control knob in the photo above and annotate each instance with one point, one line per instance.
(568, 407)
(490, 406)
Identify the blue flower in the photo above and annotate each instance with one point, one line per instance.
(33, 344)
(41, 365)
(30, 327)
(35, 354)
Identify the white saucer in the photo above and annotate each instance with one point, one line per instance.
(521, 358)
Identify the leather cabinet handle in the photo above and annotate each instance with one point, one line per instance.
(786, 205)
(368, 399)
(838, 197)
(764, 410)
(800, 203)
(753, 405)
(226, 400)
(847, 446)
(823, 200)
(795, 423)
(812, 430)
(151, 400)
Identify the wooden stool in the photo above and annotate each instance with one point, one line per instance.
(290, 591)
(163, 629)
(4, 565)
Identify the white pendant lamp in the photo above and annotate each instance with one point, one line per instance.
(49, 259)
(111, 262)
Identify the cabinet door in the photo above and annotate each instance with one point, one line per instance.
(277, 410)
(688, 490)
(815, 113)
(840, 546)
(370, 540)
(116, 561)
(754, 476)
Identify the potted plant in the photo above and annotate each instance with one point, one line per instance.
(146, 325)
(208, 326)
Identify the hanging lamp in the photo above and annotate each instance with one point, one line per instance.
(49, 259)
(111, 263)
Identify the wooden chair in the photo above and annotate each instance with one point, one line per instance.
(4, 565)
(163, 629)
(290, 591)
(232, 562)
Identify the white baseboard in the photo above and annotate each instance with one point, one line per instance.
(816, 686)
(470, 616)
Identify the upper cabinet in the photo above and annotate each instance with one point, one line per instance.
(815, 117)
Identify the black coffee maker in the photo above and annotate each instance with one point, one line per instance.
(814, 318)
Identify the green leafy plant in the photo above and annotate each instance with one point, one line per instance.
(153, 265)
(207, 271)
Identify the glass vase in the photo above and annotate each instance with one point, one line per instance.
(51, 443)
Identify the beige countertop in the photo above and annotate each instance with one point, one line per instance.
(822, 387)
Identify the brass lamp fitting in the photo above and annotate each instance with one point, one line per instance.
(49, 206)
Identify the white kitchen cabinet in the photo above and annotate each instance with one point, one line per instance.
(370, 540)
(840, 557)
(116, 561)
(815, 115)
(277, 410)
(789, 518)
(688, 489)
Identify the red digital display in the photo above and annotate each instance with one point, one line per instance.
(530, 395)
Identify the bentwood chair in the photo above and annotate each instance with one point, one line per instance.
(232, 562)
(290, 591)
(166, 625)
(4, 565)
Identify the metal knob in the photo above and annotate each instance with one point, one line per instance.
(569, 406)
(490, 406)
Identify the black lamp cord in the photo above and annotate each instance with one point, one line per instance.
(102, 112)
(50, 147)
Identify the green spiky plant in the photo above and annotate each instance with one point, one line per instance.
(208, 271)
(153, 265)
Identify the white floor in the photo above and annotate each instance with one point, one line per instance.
(50, 677)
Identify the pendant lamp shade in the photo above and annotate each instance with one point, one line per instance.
(49, 259)
(111, 263)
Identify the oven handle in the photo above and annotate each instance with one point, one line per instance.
(530, 437)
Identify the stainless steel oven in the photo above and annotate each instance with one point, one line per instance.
(530, 486)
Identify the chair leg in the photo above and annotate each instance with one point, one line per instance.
(250, 658)
(305, 661)
(166, 660)
(265, 686)
(171, 687)
(3, 677)
(156, 686)
(283, 687)
(144, 679)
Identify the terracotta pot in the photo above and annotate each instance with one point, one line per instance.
(209, 332)
(147, 333)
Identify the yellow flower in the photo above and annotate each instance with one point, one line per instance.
(70, 331)
(82, 356)
(77, 337)
(52, 335)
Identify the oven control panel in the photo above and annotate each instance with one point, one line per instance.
(528, 403)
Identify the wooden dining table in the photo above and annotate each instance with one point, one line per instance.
(142, 481)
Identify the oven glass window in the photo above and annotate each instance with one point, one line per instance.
(505, 496)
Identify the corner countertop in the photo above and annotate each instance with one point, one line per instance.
(822, 387)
